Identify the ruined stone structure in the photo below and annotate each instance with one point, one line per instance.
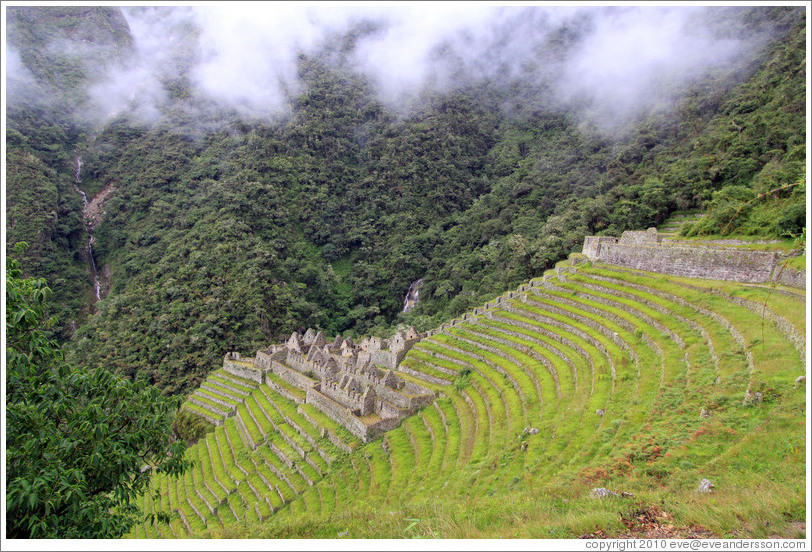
(354, 384)
(646, 250)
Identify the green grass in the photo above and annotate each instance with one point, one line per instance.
(254, 432)
(221, 475)
(204, 412)
(291, 484)
(211, 397)
(290, 390)
(330, 425)
(230, 380)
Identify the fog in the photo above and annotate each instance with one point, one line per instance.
(20, 82)
(611, 63)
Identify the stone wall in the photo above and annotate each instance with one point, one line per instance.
(420, 396)
(397, 399)
(233, 364)
(388, 410)
(648, 251)
(383, 358)
(284, 392)
(264, 359)
(790, 277)
(381, 427)
(738, 265)
(297, 361)
(592, 245)
(338, 413)
(333, 437)
(427, 377)
(640, 237)
(292, 376)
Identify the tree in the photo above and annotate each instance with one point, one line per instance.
(81, 443)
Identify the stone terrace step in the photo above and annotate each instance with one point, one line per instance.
(491, 377)
(214, 396)
(614, 324)
(237, 385)
(553, 324)
(654, 289)
(666, 309)
(284, 388)
(546, 302)
(208, 412)
(445, 367)
(423, 370)
(459, 342)
(228, 392)
(657, 337)
(526, 327)
(508, 341)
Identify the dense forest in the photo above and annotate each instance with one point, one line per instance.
(224, 231)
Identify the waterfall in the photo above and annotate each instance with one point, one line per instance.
(79, 181)
(413, 295)
(88, 225)
(83, 194)
(90, 252)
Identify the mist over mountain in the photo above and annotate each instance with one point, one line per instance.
(609, 63)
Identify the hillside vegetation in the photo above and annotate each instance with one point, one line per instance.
(323, 218)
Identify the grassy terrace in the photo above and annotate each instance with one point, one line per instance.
(237, 478)
(610, 367)
(219, 396)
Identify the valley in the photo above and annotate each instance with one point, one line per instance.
(517, 272)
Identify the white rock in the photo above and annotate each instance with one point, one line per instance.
(705, 486)
(600, 492)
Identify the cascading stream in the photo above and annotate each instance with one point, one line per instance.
(413, 295)
(88, 225)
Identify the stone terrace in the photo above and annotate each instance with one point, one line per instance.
(545, 381)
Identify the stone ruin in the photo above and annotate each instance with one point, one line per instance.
(355, 384)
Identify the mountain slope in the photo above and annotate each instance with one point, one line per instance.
(326, 215)
(592, 377)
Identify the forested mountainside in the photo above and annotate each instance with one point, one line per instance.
(225, 231)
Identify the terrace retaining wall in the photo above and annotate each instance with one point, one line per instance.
(645, 251)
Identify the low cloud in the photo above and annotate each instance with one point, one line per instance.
(610, 62)
(20, 82)
(636, 60)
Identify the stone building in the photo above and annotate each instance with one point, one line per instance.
(354, 384)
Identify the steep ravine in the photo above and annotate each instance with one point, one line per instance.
(91, 214)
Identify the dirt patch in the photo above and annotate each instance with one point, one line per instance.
(795, 530)
(652, 523)
(93, 211)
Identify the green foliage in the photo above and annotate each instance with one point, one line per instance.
(463, 379)
(43, 210)
(77, 440)
(190, 427)
(757, 142)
